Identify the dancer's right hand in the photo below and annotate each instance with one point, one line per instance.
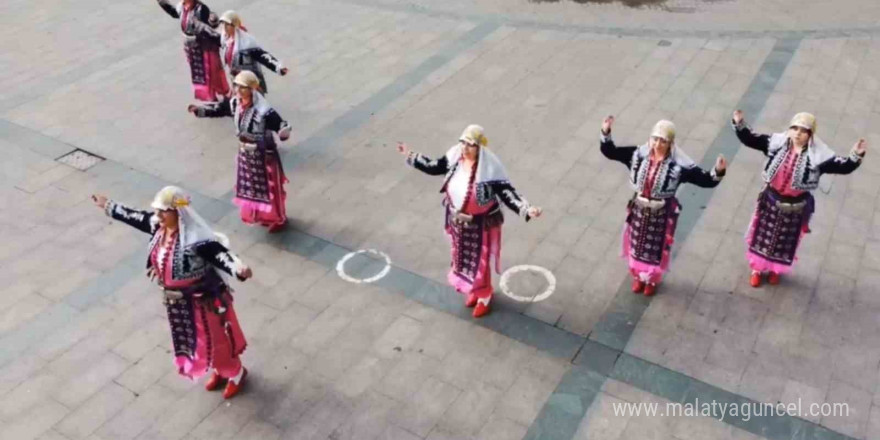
(99, 200)
(402, 148)
(738, 116)
(606, 125)
(192, 109)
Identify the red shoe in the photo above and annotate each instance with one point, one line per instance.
(233, 388)
(277, 227)
(471, 300)
(773, 278)
(214, 381)
(481, 309)
(755, 279)
(638, 286)
(650, 289)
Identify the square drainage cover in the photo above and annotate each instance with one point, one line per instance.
(80, 159)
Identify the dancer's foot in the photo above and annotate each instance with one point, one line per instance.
(755, 279)
(214, 382)
(650, 289)
(482, 307)
(471, 300)
(235, 384)
(277, 227)
(773, 278)
(638, 286)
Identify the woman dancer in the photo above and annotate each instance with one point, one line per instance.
(260, 179)
(240, 51)
(475, 182)
(657, 169)
(201, 44)
(184, 256)
(796, 159)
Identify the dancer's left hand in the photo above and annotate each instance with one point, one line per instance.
(535, 212)
(284, 134)
(245, 273)
(720, 164)
(861, 147)
(283, 71)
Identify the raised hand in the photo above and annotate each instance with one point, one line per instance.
(606, 125)
(720, 164)
(402, 148)
(535, 212)
(284, 71)
(99, 200)
(738, 116)
(861, 147)
(245, 273)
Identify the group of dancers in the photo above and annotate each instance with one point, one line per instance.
(186, 256)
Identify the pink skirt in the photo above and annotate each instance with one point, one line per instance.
(267, 214)
(219, 342)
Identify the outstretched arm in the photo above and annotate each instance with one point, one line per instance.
(222, 258)
(433, 167)
(170, 10)
(703, 178)
(845, 164)
(609, 149)
(513, 200)
(760, 142)
(266, 59)
(140, 220)
(212, 110)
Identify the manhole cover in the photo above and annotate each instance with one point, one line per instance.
(80, 159)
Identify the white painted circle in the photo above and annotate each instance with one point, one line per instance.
(340, 266)
(551, 283)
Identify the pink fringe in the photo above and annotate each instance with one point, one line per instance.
(252, 205)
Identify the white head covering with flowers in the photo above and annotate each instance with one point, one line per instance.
(193, 228)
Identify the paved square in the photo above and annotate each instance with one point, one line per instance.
(84, 350)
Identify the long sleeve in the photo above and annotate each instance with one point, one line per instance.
(266, 59)
(427, 165)
(760, 142)
(215, 110)
(512, 199)
(701, 177)
(275, 123)
(170, 10)
(140, 220)
(221, 257)
(841, 164)
(620, 154)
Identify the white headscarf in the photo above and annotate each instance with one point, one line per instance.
(193, 228)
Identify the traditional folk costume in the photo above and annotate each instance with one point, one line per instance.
(202, 49)
(785, 204)
(473, 214)
(652, 214)
(242, 52)
(204, 329)
(260, 179)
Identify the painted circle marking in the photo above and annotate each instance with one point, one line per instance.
(551, 283)
(340, 266)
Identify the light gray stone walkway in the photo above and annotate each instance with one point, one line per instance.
(83, 336)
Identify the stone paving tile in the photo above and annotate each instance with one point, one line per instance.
(325, 349)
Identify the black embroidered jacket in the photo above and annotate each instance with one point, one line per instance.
(192, 263)
(485, 191)
(819, 159)
(670, 175)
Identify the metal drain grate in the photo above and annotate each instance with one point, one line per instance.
(80, 159)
